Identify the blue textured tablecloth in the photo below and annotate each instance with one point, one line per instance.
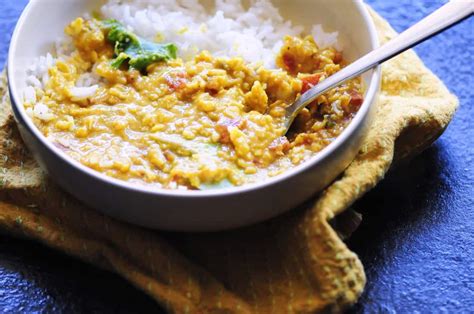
(416, 241)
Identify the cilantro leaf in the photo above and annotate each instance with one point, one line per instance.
(138, 52)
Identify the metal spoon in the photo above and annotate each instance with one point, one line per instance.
(450, 14)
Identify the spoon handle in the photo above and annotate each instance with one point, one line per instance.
(450, 14)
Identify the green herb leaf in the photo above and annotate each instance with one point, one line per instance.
(139, 52)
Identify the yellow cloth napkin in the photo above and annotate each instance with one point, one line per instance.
(296, 263)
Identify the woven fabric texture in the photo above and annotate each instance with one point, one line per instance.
(295, 263)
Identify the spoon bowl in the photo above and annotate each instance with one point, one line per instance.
(447, 16)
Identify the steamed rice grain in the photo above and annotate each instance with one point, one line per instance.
(230, 30)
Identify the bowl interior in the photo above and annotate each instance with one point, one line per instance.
(43, 22)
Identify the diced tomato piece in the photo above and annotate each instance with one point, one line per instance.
(289, 62)
(177, 80)
(356, 98)
(224, 133)
(212, 92)
(310, 81)
(338, 57)
(223, 128)
(280, 145)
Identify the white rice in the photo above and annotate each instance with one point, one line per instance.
(42, 112)
(83, 92)
(254, 33)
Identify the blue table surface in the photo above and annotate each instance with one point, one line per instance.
(416, 240)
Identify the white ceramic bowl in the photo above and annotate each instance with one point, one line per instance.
(44, 20)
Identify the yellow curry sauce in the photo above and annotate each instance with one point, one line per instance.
(192, 124)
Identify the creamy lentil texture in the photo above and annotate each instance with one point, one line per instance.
(205, 123)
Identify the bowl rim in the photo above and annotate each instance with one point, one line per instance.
(364, 110)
